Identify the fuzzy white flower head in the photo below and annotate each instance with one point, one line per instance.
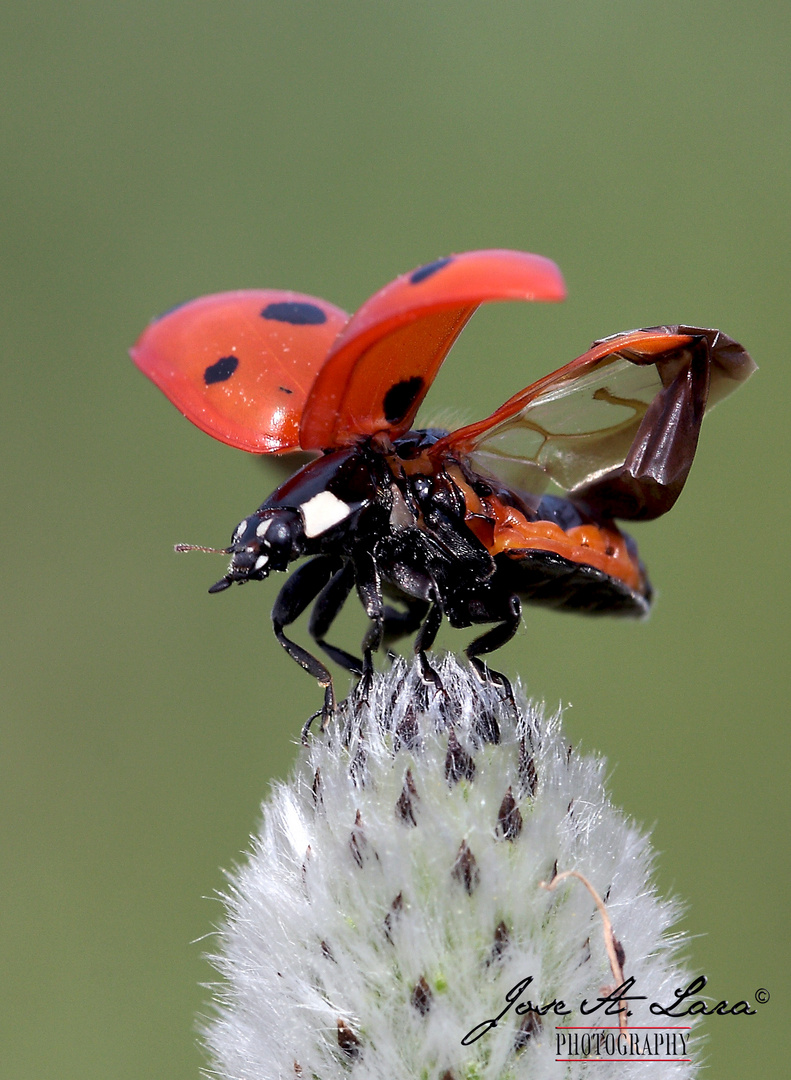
(393, 898)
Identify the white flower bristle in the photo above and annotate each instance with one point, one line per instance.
(392, 898)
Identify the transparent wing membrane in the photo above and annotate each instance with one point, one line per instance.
(575, 431)
(617, 427)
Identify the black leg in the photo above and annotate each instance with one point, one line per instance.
(424, 640)
(492, 640)
(430, 628)
(327, 606)
(301, 589)
(369, 589)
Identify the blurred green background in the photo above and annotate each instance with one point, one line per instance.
(153, 152)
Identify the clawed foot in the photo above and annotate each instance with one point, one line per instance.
(360, 694)
(327, 712)
(308, 724)
(430, 682)
(490, 677)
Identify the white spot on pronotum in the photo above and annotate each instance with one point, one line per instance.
(263, 526)
(262, 560)
(322, 512)
(240, 528)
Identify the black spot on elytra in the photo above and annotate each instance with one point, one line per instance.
(296, 312)
(285, 390)
(221, 371)
(426, 271)
(400, 397)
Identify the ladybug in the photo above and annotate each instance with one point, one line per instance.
(427, 524)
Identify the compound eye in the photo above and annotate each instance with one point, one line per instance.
(278, 534)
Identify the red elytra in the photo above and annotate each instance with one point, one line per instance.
(256, 400)
(314, 368)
